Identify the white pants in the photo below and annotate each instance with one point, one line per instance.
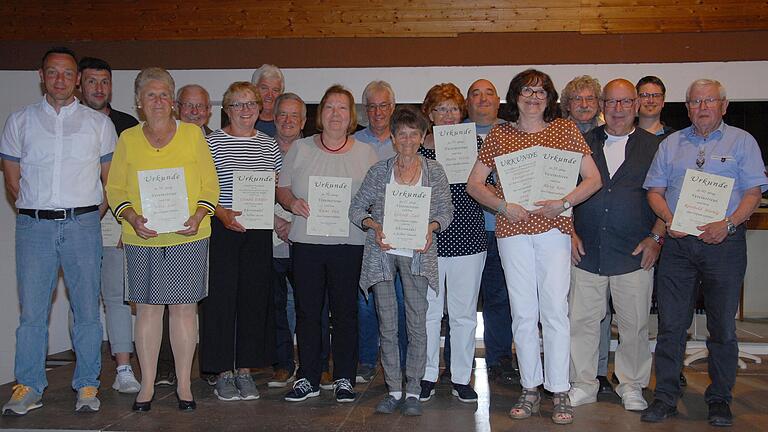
(538, 270)
(459, 287)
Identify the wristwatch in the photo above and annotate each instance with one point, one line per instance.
(731, 226)
(566, 204)
(657, 238)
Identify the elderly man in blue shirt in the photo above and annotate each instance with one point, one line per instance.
(718, 254)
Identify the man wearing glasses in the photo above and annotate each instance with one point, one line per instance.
(651, 91)
(615, 245)
(579, 103)
(194, 106)
(718, 256)
(379, 104)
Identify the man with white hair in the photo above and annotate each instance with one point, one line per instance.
(270, 81)
(194, 104)
(717, 256)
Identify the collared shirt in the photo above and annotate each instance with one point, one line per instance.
(60, 154)
(384, 149)
(728, 151)
(482, 132)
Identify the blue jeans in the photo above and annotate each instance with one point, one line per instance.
(42, 247)
(368, 324)
(117, 312)
(282, 275)
(497, 318)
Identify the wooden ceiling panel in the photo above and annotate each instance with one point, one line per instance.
(113, 20)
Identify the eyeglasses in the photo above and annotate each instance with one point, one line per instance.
(190, 106)
(611, 103)
(446, 110)
(384, 106)
(239, 106)
(528, 92)
(580, 99)
(708, 102)
(651, 95)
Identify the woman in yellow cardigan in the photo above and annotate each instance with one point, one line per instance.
(164, 268)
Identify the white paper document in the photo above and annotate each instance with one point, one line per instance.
(253, 194)
(703, 199)
(406, 216)
(111, 230)
(456, 150)
(329, 199)
(538, 173)
(164, 199)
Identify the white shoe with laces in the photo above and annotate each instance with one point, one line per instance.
(633, 400)
(125, 382)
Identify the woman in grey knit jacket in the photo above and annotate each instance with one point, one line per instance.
(417, 267)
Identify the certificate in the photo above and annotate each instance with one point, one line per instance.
(110, 230)
(164, 199)
(282, 214)
(456, 150)
(538, 173)
(703, 199)
(329, 199)
(406, 216)
(253, 194)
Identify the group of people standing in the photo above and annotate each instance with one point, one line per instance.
(252, 287)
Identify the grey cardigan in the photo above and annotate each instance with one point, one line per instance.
(369, 203)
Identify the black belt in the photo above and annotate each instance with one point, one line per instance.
(58, 214)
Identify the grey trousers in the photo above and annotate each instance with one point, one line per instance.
(415, 298)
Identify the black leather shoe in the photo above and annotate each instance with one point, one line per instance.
(142, 406)
(658, 412)
(720, 414)
(186, 405)
(605, 387)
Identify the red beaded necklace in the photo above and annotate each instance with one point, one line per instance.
(346, 138)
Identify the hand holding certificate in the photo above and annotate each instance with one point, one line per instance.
(253, 194)
(456, 150)
(406, 216)
(164, 199)
(329, 199)
(538, 174)
(703, 199)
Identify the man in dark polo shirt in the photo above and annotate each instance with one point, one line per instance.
(615, 245)
(96, 89)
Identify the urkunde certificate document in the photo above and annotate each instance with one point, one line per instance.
(329, 199)
(253, 194)
(406, 216)
(456, 150)
(110, 230)
(164, 199)
(703, 199)
(538, 173)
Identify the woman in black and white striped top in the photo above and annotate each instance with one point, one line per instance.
(236, 331)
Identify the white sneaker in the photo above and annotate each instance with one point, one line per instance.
(581, 397)
(633, 400)
(125, 382)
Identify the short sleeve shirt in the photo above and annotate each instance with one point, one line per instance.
(560, 134)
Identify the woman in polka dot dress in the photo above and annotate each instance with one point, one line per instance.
(460, 260)
(535, 246)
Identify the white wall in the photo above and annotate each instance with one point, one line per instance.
(744, 81)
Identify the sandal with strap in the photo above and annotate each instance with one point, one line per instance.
(527, 404)
(563, 411)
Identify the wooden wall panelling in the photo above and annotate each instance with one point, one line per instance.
(84, 20)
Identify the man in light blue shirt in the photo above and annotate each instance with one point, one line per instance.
(379, 104)
(718, 255)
